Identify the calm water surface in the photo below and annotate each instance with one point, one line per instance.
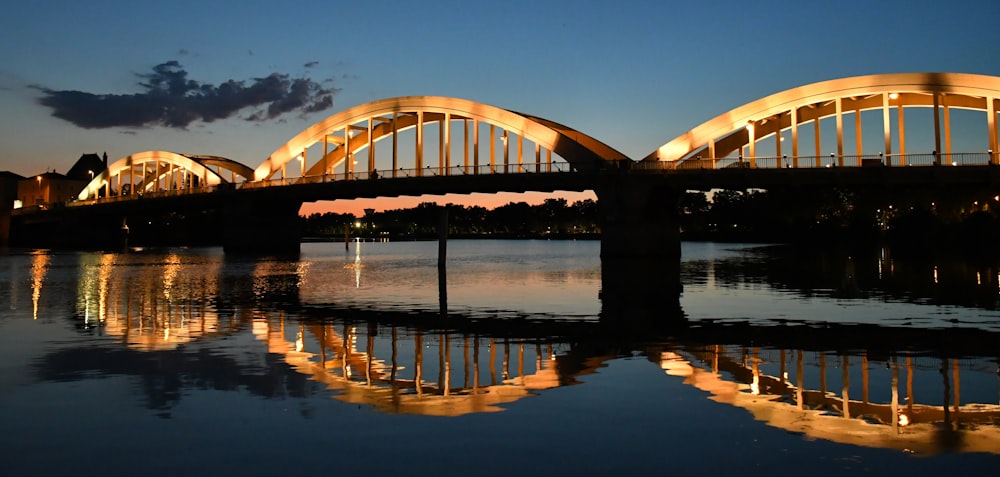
(189, 361)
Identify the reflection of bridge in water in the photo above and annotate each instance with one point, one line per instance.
(879, 386)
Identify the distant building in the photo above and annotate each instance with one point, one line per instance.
(55, 188)
(8, 189)
(48, 188)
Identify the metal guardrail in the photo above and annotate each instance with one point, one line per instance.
(806, 162)
(697, 163)
(429, 171)
(401, 173)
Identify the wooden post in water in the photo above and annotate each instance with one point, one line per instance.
(442, 260)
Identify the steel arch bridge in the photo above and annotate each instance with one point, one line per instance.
(152, 172)
(344, 135)
(357, 130)
(741, 129)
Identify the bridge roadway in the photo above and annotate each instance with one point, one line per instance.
(634, 198)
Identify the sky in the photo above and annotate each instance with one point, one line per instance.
(239, 79)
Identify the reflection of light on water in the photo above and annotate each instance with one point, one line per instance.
(39, 265)
(173, 265)
(356, 266)
(103, 276)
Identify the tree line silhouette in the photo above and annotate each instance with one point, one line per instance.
(907, 218)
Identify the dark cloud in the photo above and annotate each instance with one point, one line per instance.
(172, 99)
(311, 64)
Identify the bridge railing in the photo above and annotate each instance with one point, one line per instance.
(832, 160)
(401, 173)
(147, 195)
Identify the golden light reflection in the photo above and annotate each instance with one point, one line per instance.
(356, 266)
(173, 264)
(39, 266)
(726, 373)
(156, 306)
(388, 385)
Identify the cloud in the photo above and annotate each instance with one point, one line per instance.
(311, 64)
(173, 100)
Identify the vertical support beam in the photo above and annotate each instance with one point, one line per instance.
(371, 146)
(886, 127)
(711, 149)
(947, 134)
(840, 131)
(493, 148)
(395, 144)
(991, 125)
(795, 136)
(447, 142)
(937, 129)
(752, 142)
(326, 152)
(304, 161)
(858, 142)
(475, 145)
(816, 131)
(901, 126)
(441, 141)
(520, 153)
(506, 151)
(348, 157)
(419, 153)
(548, 160)
(538, 158)
(465, 144)
(777, 144)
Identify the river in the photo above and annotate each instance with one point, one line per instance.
(364, 359)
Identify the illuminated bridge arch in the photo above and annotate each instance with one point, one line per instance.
(159, 171)
(740, 129)
(235, 170)
(344, 134)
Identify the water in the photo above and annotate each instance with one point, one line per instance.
(171, 361)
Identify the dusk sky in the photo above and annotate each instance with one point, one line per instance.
(634, 74)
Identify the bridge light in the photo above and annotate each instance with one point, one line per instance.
(893, 95)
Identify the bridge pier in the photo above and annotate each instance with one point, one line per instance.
(640, 251)
(259, 226)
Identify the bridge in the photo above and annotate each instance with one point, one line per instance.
(437, 145)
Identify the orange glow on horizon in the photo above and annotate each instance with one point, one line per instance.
(490, 201)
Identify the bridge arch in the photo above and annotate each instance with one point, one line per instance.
(360, 127)
(744, 126)
(153, 171)
(222, 164)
